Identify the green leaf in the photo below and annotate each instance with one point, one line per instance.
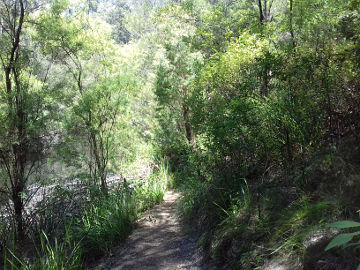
(344, 224)
(341, 239)
(358, 268)
(356, 245)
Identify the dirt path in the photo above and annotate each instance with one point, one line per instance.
(157, 243)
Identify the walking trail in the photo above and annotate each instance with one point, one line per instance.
(157, 243)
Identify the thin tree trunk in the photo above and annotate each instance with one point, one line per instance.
(265, 82)
(291, 25)
(288, 146)
(188, 128)
(261, 14)
(18, 211)
(17, 128)
(100, 166)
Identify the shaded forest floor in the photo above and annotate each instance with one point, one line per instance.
(158, 242)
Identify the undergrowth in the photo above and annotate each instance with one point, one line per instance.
(107, 219)
(51, 255)
(244, 224)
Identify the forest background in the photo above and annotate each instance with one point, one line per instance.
(250, 108)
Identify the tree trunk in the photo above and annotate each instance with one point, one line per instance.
(100, 166)
(288, 146)
(188, 128)
(17, 133)
(291, 25)
(261, 14)
(18, 211)
(265, 82)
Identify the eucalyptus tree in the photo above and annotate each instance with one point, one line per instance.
(25, 102)
(176, 70)
(83, 45)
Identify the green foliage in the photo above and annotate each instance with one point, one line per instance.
(59, 255)
(173, 85)
(108, 221)
(344, 224)
(110, 216)
(153, 189)
(296, 222)
(223, 90)
(343, 239)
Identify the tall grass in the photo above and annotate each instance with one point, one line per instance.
(108, 220)
(152, 191)
(56, 255)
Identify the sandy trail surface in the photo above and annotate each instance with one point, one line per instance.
(157, 243)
